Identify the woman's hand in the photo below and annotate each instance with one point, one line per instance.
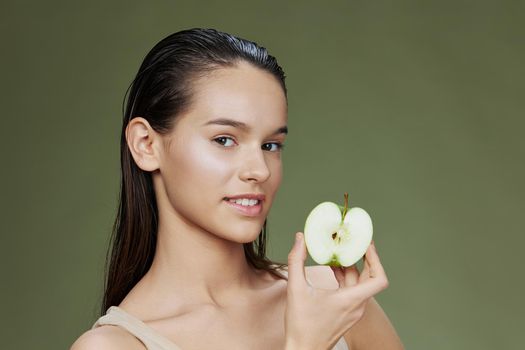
(316, 318)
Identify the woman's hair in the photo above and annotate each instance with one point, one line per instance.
(162, 90)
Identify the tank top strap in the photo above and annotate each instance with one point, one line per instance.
(152, 340)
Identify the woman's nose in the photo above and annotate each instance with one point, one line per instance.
(254, 167)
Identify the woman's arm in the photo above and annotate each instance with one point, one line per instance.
(107, 337)
(373, 330)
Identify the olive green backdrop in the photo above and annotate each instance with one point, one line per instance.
(413, 107)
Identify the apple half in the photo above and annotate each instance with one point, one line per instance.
(337, 236)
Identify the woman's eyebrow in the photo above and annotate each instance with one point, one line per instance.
(242, 126)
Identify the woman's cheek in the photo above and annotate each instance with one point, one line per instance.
(212, 162)
(276, 172)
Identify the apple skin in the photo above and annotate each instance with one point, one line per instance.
(334, 240)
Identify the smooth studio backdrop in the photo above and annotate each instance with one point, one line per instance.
(415, 108)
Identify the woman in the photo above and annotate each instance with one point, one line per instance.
(202, 135)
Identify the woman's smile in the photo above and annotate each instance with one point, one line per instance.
(247, 207)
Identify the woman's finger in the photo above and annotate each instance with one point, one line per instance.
(373, 278)
(351, 275)
(339, 276)
(296, 258)
(365, 274)
(372, 265)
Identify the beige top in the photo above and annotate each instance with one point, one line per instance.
(148, 336)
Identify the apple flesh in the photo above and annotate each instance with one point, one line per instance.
(337, 236)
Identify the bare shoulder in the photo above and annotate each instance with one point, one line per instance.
(107, 338)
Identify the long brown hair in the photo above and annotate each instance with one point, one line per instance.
(161, 90)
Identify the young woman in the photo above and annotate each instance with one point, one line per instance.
(201, 143)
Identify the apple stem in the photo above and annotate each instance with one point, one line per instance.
(346, 204)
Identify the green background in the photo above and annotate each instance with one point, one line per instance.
(413, 107)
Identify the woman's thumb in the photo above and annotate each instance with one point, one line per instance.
(296, 258)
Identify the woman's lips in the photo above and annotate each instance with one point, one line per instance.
(246, 210)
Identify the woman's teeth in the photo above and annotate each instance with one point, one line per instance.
(244, 201)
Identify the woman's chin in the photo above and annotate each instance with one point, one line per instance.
(246, 235)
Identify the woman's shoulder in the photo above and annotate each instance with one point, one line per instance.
(107, 337)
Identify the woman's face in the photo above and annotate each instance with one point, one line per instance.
(225, 145)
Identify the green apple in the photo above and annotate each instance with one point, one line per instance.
(336, 235)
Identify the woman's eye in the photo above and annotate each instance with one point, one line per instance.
(278, 146)
(222, 140)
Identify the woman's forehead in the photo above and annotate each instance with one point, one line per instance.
(244, 93)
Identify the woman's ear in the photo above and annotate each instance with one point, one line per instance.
(143, 144)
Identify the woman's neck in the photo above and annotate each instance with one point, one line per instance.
(192, 267)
